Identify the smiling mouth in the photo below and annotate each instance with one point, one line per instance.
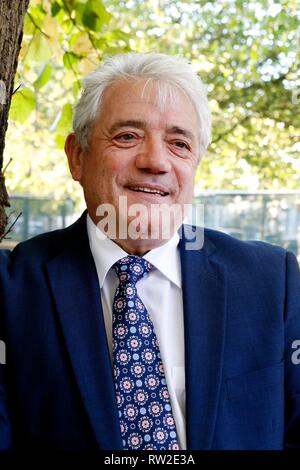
(142, 189)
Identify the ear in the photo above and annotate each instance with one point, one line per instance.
(74, 153)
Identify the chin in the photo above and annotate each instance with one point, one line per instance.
(141, 246)
(153, 235)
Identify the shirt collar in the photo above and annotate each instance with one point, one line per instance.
(105, 252)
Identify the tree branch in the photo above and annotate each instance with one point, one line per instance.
(223, 134)
(15, 91)
(10, 227)
(6, 166)
(37, 26)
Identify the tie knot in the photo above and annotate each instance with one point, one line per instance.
(131, 269)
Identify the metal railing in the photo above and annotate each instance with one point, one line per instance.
(259, 215)
(30, 216)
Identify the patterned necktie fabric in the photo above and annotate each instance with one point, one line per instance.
(142, 396)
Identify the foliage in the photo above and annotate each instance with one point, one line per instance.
(246, 53)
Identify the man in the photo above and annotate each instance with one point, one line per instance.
(201, 339)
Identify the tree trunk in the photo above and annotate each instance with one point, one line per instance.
(12, 14)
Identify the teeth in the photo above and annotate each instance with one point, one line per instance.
(148, 190)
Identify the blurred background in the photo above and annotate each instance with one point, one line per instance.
(247, 54)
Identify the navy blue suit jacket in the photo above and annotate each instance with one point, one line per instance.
(241, 320)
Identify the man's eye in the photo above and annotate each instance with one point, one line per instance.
(125, 137)
(182, 145)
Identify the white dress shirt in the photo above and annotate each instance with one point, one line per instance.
(162, 295)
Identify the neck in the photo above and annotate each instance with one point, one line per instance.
(138, 247)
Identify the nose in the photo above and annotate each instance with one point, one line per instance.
(154, 157)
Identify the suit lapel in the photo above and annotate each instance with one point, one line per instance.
(75, 288)
(204, 300)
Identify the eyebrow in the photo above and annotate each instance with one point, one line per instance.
(140, 124)
(127, 123)
(180, 131)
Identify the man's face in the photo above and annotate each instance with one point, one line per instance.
(140, 150)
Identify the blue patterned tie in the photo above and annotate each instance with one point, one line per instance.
(143, 401)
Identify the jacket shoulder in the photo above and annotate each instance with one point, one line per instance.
(247, 252)
(234, 243)
(45, 246)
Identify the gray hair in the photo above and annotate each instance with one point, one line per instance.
(167, 72)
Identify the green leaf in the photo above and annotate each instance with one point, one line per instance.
(43, 78)
(37, 13)
(55, 8)
(119, 34)
(22, 105)
(39, 50)
(95, 15)
(79, 13)
(70, 59)
(98, 7)
(64, 125)
(77, 87)
(90, 20)
(65, 121)
(60, 141)
(29, 27)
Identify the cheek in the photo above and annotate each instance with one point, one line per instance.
(185, 178)
(117, 163)
(94, 180)
(96, 170)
